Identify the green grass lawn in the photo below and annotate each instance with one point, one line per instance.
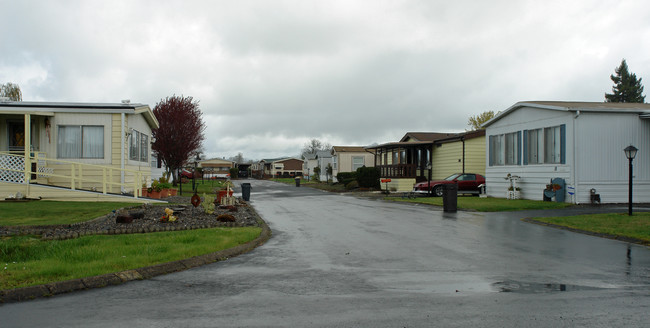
(27, 260)
(617, 224)
(486, 204)
(50, 212)
(312, 184)
(207, 186)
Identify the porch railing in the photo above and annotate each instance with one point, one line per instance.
(398, 171)
(12, 169)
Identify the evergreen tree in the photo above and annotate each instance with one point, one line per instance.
(627, 88)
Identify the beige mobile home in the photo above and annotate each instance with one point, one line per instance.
(74, 151)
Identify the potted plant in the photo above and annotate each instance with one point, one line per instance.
(154, 190)
(144, 190)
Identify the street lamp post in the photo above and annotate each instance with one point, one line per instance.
(196, 163)
(630, 153)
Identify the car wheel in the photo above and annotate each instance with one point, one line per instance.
(437, 191)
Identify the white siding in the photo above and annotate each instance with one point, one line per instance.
(601, 163)
(594, 155)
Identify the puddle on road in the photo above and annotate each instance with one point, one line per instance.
(511, 286)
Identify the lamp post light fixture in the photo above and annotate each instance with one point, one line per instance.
(630, 153)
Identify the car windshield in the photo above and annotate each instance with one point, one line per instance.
(452, 177)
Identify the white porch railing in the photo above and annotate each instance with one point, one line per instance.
(12, 169)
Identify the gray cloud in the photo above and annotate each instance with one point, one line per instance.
(272, 75)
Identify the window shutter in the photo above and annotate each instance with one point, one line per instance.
(525, 147)
(490, 146)
(518, 147)
(563, 144)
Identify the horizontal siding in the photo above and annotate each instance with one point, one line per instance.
(399, 185)
(448, 158)
(534, 179)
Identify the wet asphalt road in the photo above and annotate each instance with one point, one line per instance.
(342, 261)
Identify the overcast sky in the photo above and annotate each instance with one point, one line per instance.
(271, 75)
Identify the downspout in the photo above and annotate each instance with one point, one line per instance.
(27, 149)
(122, 146)
(463, 140)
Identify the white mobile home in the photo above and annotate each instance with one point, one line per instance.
(579, 142)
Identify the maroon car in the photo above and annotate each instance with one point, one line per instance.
(467, 183)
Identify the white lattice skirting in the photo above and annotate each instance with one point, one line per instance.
(12, 162)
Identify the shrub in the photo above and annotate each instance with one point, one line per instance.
(234, 173)
(368, 177)
(352, 185)
(346, 177)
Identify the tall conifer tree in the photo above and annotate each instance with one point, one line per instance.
(627, 88)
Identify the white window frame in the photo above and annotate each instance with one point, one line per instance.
(80, 142)
(138, 146)
(355, 166)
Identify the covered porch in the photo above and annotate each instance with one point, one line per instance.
(404, 163)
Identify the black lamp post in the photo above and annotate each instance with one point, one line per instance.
(196, 164)
(630, 153)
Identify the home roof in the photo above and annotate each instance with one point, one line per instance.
(425, 136)
(49, 108)
(355, 149)
(573, 106)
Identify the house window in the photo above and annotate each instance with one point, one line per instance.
(552, 145)
(80, 141)
(357, 162)
(334, 162)
(545, 145)
(139, 146)
(505, 149)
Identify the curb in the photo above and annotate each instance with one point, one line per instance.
(590, 233)
(117, 278)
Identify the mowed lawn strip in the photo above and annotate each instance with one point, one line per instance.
(486, 204)
(51, 212)
(617, 224)
(27, 260)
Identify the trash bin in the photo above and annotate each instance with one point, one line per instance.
(246, 191)
(297, 181)
(450, 198)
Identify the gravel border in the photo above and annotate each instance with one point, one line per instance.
(62, 287)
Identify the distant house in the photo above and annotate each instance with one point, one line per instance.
(310, 161)
(102, 147)
(350, 158)
(580, 143)
(216, 167)
(278, 167)
(423, 156)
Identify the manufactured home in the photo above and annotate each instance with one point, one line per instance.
(55, 150)
(579, 144)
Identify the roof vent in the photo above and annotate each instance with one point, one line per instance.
(126, 101)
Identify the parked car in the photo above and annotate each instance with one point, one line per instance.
(467, 183)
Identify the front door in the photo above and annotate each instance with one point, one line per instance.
(16, 135)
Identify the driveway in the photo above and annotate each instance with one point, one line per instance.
(344, 261)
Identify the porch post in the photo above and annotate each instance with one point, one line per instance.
(28, 142)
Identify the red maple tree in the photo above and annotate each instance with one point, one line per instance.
(180, 134)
